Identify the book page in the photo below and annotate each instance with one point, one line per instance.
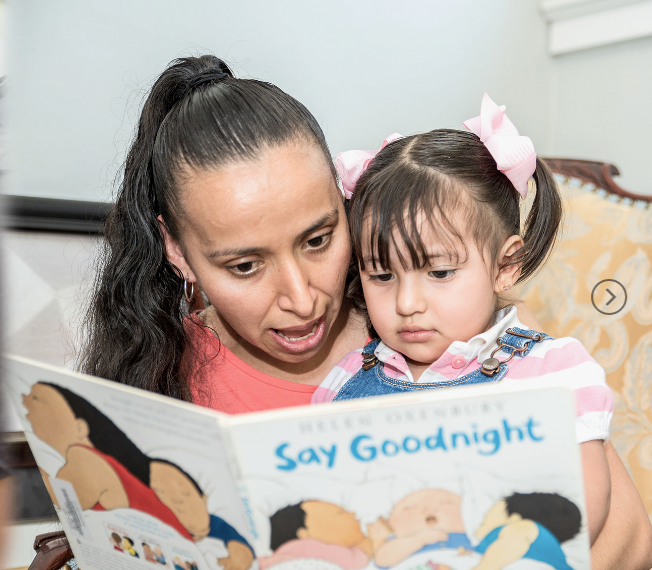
(429, 481)
(138, 480)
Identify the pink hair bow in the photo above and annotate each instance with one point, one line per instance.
(351, 164)
(513, 153)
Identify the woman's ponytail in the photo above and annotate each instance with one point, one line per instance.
(136, 334)
(542, 223)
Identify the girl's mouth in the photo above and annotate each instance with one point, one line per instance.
(302, 338)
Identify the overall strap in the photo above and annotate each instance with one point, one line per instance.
(515, 341)
(369, 359)
(520, 341)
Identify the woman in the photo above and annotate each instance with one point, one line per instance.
(229, 184)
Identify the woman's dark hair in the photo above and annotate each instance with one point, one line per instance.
(559, 515)
(439, 178)
(285, 524)
(196, 116)
(105, 435)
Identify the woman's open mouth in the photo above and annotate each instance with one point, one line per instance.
(301, 338)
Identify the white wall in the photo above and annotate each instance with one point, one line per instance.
(366, 68)
(601, 109)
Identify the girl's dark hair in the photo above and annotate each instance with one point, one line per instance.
(439, 178)
(105, 435)
(559, 515)
(196, 116)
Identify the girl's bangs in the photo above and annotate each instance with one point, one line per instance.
(402, 208)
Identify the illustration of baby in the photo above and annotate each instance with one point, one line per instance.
(117, 542)
(527, 526)
(427, 519)
(148, 552)
(182, 495)
(317, 529)
(160, 557)
(128, 546)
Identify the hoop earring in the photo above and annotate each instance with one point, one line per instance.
(190, 297)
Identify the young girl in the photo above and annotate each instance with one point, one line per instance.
(436, 231)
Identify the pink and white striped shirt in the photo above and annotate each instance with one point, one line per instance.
(561, 361)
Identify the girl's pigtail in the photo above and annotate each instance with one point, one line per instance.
(542, 223)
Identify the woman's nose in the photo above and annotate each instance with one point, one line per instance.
(296, 294)
(409, 298)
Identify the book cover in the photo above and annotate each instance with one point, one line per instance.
(477, 477)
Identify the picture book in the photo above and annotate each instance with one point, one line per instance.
(456, 479)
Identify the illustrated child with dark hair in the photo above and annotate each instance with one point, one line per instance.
(117, 542)
(530, 526)
(317, 529)
(160, 557)
(148, 552)
(128, 545)
(438, 238)
(182, 495)
(428, 519)
(105, 468)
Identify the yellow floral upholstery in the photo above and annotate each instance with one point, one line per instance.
(605, 236)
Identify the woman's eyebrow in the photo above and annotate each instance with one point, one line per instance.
(331, 217)
(240, 252)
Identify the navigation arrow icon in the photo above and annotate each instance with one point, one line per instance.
(612, 297)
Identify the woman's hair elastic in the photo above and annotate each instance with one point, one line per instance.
(352, 163)
(514, 154)
(208, 76)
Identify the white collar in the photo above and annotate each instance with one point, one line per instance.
(480, 346)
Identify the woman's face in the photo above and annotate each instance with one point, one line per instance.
(268, 242)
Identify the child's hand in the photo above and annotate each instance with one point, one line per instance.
(378, 532)
(432, 536)
(240, 556)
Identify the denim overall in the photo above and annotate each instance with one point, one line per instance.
(374, 381)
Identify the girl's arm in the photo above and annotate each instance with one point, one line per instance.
(597, 485)
(625, 542)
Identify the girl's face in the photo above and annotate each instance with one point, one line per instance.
(268, 243)
(420, 312)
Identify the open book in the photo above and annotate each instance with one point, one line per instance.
(474, 477)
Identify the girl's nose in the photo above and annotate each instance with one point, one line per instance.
(410, 299)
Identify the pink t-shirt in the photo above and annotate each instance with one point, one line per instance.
(225, 383)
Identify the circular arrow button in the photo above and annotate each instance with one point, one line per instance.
(609, 297)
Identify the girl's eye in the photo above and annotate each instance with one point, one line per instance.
(382, 277)
(442, 274)
(319, 241)
(244, 269)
